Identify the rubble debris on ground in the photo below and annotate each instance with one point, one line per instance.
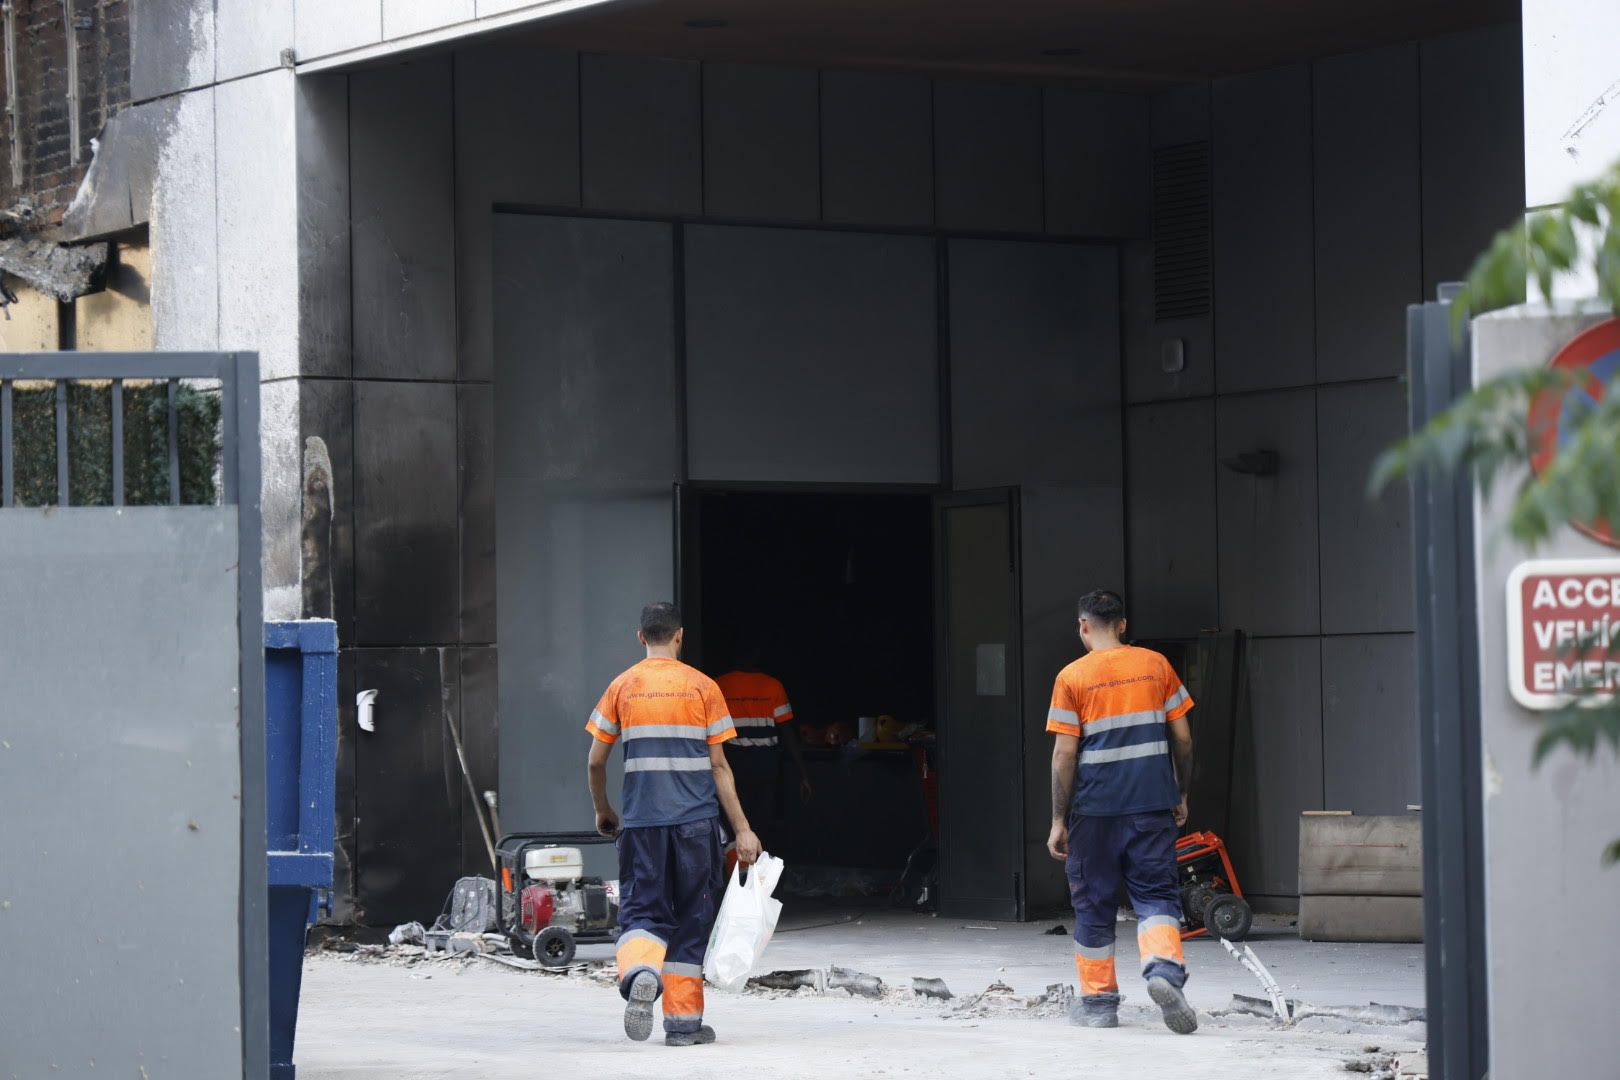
(1057, 931)
(1371, 1013)
(1000, 999)
(933, 988)
(856, 983)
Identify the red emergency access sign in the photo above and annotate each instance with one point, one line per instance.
(1563, 630)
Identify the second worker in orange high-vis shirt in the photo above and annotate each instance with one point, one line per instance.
(764, 718)
(672, 722)
(1121, 765)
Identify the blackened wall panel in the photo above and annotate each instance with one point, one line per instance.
(1277, 762)
(407, 568)
(1268, 523)
(408, 790)
(1262, 180)
(987, 157)
(810, 356)
(1370, 724)
(1048, 312)
(403, 232)
(1366, 544)
(326, 409)
(640, 140)
(761, 154)
(586, 456)
(1170, 475)
(1097, 156)
(517, 141)
(325, 290)
(1473, 146)
(345, 894)
(475, 432)
(877, 165)
(480, 737)
(1369, 229)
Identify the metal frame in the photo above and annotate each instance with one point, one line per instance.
(238, 376)
(1448, 714)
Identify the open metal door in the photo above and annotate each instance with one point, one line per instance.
(981, 714)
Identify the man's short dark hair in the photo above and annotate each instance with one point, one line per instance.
(659, 622)
(1103, 607)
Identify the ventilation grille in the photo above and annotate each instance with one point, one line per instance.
(1181, 242)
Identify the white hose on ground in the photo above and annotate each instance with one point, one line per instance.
(1246, 957)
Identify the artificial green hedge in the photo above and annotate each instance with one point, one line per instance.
(90, 462)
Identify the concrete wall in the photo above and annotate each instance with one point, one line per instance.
(1544, 828)
(1343, 190)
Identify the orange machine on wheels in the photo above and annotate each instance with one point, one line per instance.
(1211, 898)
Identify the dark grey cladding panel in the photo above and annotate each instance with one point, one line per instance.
(1264, 295)
(408, 788)
(517, 142)
(1050, 312)
(987, 156)
(476, 431)
(1366, 545)
(877, 163)
(326, 409)
(761, 154)
(1277, 762)
(406, 563)
(1181, 115)
(1473, 146)
(480, 738)
(325, 289)
(402, 191)
(1170, 493)
(1146, 340)
(1370, 723)
(641, 138)
(1369, 225)
(171, 47)
(811, 356)
(1098, 162)
(1268, 524)
(348, 739)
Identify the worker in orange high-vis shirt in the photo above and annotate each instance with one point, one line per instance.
(1121, 766)
(672, 720)
(764, 717)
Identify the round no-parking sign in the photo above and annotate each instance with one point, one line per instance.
(1556, 415)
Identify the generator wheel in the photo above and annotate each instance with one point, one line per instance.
(554, 947)
(1229, 917)
(522, 945)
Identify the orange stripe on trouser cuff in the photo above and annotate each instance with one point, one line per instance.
(1096, 976)
(639, 949)
(1159, 938)
(683, 996)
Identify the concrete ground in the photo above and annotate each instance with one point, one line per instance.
(364, 1018)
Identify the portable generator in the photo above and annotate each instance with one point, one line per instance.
(548, 906)
(1211, 899)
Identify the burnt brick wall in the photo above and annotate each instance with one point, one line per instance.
(41, 128)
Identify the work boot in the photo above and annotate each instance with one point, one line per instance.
(703, 1036)
(1178, 1015)
(1096, 1011)
(638, 1006)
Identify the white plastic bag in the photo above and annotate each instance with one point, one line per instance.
(744, 925)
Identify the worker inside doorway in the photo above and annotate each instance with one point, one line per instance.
(1119, 797)
(764, 719)
(672, 720)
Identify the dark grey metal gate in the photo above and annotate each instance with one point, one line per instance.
(132, 862)
(1439, 367)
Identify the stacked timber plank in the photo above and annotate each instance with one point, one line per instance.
(1360, 878)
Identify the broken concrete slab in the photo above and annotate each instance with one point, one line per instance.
(62, 273)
